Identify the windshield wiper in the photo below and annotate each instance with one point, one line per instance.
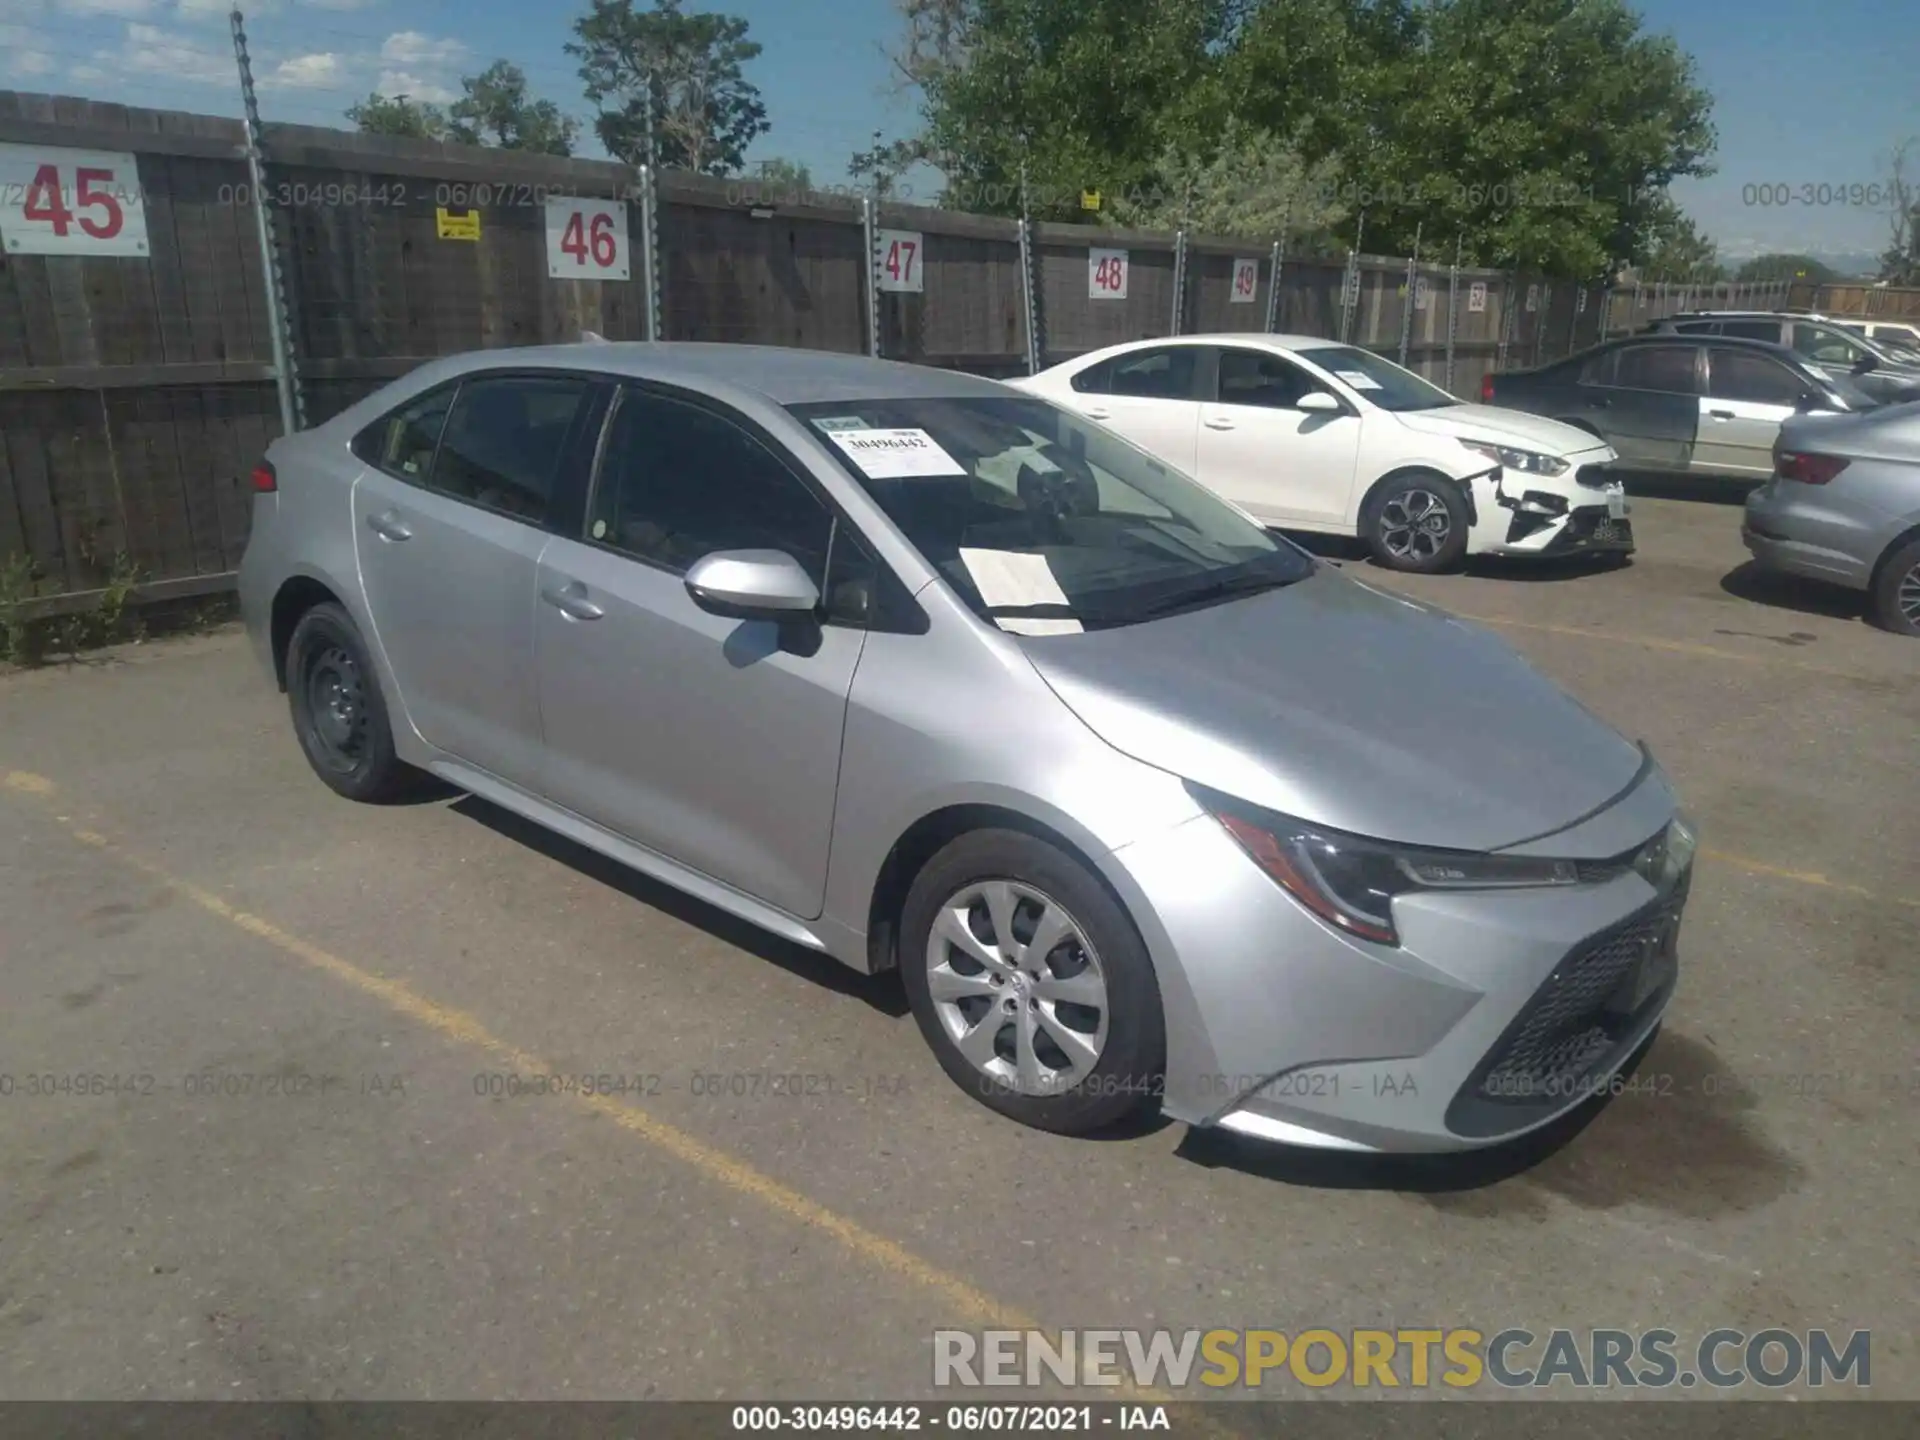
(1222, 589)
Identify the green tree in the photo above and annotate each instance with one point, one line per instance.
(1672, 248)
(1763, 269)
(1900, 264)
(1253, 185)
(688, 69)
(785, 173)
(882, 166)
(496, 111)
(397, 115)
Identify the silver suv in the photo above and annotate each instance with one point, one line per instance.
(1882, 372)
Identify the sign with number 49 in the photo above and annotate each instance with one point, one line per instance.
(587, 239)
(1246, 282)
(55, 201)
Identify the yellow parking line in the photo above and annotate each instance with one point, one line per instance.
(967, 1301)
(1677, 647)
(1803, 877)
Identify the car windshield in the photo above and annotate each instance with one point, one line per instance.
(1043, 522)
(1382, 382)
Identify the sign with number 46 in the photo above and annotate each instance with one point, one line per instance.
(55, 201)
(587, 239)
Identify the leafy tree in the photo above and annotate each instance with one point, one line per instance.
(785, 173)
(496, 111)
(1672, 247)
(686, 69)
(1764, 269)
(397, 115)
(882, 166)
(1253, 185)
(1900, 265)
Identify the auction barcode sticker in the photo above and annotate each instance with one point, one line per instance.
(894, 454)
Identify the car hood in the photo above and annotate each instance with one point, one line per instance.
(1339, 704)
(1510, 427)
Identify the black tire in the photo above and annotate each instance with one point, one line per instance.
(1899, 572)
(339, 714)
(1128, 1074)
(1404, 530)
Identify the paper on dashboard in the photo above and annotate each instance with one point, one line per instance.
(1014, 578)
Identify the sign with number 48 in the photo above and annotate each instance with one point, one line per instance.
(587, 239)
(898, 252)
(1106, 274)
(55, 201)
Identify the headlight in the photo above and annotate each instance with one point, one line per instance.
(1350, 882)
(1664, 859)
(1532, 462)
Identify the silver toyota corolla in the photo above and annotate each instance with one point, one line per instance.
(1148, 806)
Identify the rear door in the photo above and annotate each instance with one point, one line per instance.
(1653, 404)
(449, 520)
(1259, 450)
(1749, 395)
(1150, 396)
(715, 742)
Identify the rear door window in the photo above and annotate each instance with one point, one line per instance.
(1743, 375)
(1164, 374)
(1667, 368)
(403, 442)
(505, 439)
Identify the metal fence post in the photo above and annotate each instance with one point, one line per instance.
(1179, 280)
(1273, 285)
(1029, 301)
(872, 286)
(1406, 309)
(1506, 324)
(293, 409)
(650, 253)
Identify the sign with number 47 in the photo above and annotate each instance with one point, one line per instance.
(55, 201)
(898, 252)
(587, 239)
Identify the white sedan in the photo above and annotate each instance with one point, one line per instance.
(1307, 434)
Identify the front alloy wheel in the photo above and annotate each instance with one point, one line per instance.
(1017, 987)
(1415, 526)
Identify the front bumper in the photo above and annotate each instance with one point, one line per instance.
(1497, 1013)
(1583, 511)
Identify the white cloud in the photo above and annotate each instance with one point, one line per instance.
(318, 71)
(417, 88)
(340, 4)
(149, 50)
(87, 74)
(23, 53)
(410, 47)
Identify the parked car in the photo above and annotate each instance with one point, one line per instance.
(1681, 404)
(1146, 803)
(1830, 347)
(1899, 338)
(1313, 435)
(1844, 506)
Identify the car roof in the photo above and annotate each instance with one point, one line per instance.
(1662, 337)
(782, 376)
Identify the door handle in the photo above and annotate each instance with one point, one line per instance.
(569, 597)
(389, 526)
(1721, 414)
(1218, 424)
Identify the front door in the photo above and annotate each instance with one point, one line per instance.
(1749, 395)
(715, 742)
(448, 528)
(1279, 463)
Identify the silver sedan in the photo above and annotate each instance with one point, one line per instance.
(1147, 806)
(1843, 505)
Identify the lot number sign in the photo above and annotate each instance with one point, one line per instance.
(1477, 297)
(1107, 274)
(55, 201)
(899, 253)
(1246, 281)
(587, 239)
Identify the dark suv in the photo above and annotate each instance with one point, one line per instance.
(1876, 369)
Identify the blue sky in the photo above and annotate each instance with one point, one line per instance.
(1808, 92)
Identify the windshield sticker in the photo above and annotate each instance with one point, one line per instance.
(895, 454)
(1359, 380)
(1013, 578)
(827, 424)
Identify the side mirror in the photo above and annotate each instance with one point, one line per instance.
(752, 585)
(1319, 402)
(1866, 363)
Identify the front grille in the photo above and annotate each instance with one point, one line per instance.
(1593, 525)
(1573, 1025)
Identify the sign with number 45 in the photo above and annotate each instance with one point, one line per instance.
(70, 202)
(587, 239)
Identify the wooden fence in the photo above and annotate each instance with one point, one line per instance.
(137, 391)
(1860, 301)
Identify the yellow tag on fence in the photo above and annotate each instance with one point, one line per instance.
(457, 224)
